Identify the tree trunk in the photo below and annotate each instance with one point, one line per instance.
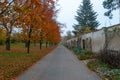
(46, 44)
(28, 44)
(28, 47)
(41, 40)
(8, 43)
(40, 44)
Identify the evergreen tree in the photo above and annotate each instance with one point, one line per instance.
(86, 17)
(111, 5)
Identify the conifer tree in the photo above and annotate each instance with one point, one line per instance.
(86, 17)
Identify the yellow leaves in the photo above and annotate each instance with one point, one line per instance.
(38, 1)
(43, 16)
(86, 30)
(28, 20)
(16, 7)
(1, 29)
(2, 34)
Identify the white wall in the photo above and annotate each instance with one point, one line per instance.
(115, 40)
(97, 40)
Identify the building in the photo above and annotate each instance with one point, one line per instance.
(98, 40)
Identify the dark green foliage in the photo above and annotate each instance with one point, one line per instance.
(104, 70)
(13, 40)
(77, 30)
(93, 65)
(110, 57)
(86, 55)
(86, 17)
(2, 42)
(76, 50)
(111, 5)
(83, 54)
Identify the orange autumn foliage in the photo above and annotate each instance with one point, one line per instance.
(36, 18)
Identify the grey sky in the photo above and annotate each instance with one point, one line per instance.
(68, 10)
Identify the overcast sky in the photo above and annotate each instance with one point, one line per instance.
(68, 10)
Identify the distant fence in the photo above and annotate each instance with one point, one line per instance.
(112, 51)
(110, 56)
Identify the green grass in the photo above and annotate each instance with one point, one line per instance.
(12, 54)
(86, 55)
(93, 65)
(17, 44)
(22, 45)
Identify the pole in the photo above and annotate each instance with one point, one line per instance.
(119, 15)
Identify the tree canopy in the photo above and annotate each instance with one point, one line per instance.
(35, 18)
(86, 17)
(111, 5)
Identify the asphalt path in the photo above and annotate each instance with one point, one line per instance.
(60, 64)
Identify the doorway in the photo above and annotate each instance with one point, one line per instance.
(83, 44)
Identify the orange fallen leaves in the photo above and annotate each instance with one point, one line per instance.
(10, 67)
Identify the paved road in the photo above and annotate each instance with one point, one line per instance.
(60, 64)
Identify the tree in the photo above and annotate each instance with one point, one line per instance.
(30, 19)
(77, 30)
(69, 35)
(8, 20)
(16, 37)
(36, 20)
(86, 17)
(4, 5)
(111, 5)
(47, 17)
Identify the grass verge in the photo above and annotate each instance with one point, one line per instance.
(83, 54)
(104, 70)
(87, 55)
(14, 62)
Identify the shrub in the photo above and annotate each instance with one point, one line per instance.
(13, 40)
(104, 70)
(1, 42)
(75, 50)
(110, 57)
(85, 54)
